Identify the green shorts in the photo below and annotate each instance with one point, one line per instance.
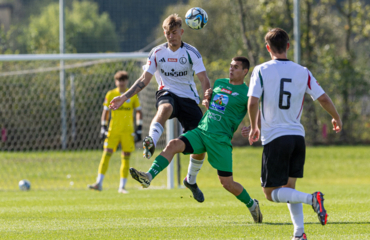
(218, 148)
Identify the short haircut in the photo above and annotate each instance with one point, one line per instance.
(121, 75)
(277, 39)
(244, 60)
(172, 21)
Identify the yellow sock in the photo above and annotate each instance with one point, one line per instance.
(104, 162)
(124, 166)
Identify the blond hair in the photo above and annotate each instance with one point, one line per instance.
(172, 21)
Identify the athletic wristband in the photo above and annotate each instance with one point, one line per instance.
(104, 123)
(139, 122)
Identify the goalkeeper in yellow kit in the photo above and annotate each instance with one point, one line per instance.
(121, 130)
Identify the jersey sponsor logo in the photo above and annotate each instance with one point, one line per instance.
(174, 74)
(214, 116)
(172, 59)
(226, 91)
(183, 60)
(219, 103)
(235, 94)
(162, 60)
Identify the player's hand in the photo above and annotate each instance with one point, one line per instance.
(245, 131)
(208, 94)
(138, 132)
(117, 102)
(103, 132)
(205, 103)
(337, 125)
(254, 135)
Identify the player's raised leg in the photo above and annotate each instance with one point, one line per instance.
(165, 109)
(159, 164)
(241, 194)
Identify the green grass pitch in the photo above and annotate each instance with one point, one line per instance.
(70, 211)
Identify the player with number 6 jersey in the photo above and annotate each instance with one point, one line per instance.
(280, 85)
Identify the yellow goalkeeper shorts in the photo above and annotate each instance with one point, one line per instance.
(126, 140)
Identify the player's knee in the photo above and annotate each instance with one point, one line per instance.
(165, 108)
(174, 145)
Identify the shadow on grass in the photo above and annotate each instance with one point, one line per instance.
(315, 223)
(329, 223)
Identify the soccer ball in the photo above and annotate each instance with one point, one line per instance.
(24, 185)
(196, 18)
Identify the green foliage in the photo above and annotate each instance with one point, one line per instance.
(86, 30)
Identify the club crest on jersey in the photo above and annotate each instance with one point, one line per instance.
(226, 90)
(183, 60)
(172, 59)
(219, 102)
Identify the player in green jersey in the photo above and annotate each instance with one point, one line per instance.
(227, 106)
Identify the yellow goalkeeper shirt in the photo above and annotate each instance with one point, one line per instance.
(122, 119)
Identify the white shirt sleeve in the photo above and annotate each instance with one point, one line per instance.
(313, 87)
(198, 65)
(151, 64)
(256, 84)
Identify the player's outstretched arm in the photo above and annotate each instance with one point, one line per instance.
(204, 81)
(328, 105)
(253, 115)
(139, 85)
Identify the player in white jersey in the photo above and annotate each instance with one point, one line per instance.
(280, 86)
(174, 64)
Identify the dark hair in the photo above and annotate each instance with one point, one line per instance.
(244, 60)
(121, 75)
(277, 39)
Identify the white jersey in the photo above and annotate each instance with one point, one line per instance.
(174, 71)
(281, 85)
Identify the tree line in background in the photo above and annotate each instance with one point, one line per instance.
(334, 46)
(334, 40)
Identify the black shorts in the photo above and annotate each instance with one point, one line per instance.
(185, 110)
(282, 158)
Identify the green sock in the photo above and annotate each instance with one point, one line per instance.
(159, 164)
(245, 198)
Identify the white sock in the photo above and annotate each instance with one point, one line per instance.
(193, 169)
(122, 183)
(149, 176)
(155, 131)
(100, 179)
(253, 206)
(296, 213)
(290, 195)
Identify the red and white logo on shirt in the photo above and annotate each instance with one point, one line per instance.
(226, 91)
(172, 59)
(149, 62)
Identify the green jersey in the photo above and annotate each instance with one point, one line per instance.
(227, 108)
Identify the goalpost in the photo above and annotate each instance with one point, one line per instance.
(99, 67)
